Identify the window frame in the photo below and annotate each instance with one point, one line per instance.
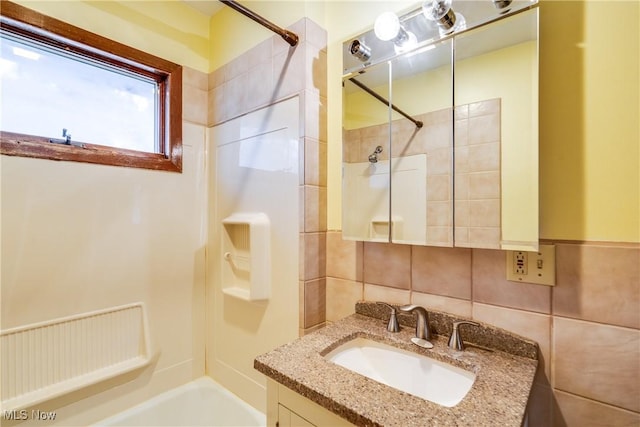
(61, 35)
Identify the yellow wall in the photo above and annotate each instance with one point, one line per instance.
(168, 29)
(589, 109)
(232, 33)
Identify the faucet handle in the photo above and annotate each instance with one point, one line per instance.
(393, 325)
(455, 340)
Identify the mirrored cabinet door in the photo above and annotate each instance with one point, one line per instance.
(496, 134)
(365, 155)
(421, 146)
(441, 139)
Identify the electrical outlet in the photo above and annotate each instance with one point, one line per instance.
(520, 261)
(533, 267)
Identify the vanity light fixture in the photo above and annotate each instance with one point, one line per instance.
(388, 28)
(360, 50)
(440, 12)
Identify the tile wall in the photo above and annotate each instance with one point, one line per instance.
(587, 326)
(477, 175)
(269, 72)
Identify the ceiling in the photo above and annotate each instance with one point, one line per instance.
(208, 7)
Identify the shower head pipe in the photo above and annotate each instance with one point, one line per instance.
(288, 36)
(364, 87)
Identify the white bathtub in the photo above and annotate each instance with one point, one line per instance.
(201, 402)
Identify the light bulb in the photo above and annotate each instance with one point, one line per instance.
(387, 26)
(434, 10)
(440, 12)
(407, 44)
(460, 24)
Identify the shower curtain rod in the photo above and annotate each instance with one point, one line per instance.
(288, 36)
(418, 123)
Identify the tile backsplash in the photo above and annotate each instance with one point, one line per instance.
(587, 326)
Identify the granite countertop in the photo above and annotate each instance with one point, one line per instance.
(504, 364)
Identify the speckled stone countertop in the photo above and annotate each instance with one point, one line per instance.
(504, 366)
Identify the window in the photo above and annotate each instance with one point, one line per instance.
(68, 94)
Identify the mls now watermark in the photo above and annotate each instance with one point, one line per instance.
(23, 415)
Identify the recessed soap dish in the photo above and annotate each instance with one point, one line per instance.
(246, 249)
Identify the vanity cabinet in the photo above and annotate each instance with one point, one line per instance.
(288, 418)
(440, 141)
(286, 408)
(306, 385)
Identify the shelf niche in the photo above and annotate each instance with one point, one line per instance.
(246, 252)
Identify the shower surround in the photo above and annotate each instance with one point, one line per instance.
(256, 84)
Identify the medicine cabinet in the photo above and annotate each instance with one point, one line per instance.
(440, 139)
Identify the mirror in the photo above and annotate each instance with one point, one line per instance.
(419, 138)
(421, 168)
(468, 174)
(496, 134)
(365, 155)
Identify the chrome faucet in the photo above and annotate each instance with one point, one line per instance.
(455, 340)
(422, 322)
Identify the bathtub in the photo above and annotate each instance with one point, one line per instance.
(201, 402)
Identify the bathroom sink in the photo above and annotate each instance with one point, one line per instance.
(412, 373)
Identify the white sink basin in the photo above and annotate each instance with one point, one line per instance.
(412, 373)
